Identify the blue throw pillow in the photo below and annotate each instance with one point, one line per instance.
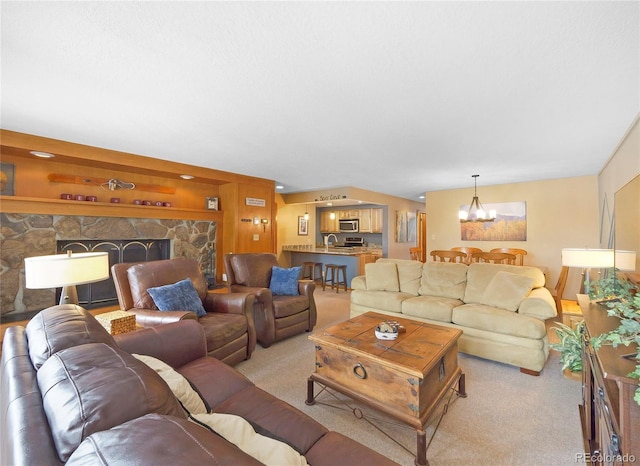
(284, 281)
(180, 296)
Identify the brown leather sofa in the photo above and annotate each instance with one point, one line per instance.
(276, 317)
(228, 323)
(73, 394)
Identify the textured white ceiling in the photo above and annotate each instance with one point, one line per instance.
(395, 97)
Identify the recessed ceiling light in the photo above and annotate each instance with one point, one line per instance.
(421, 197)
(187, 177)
(43, 155)
(279, 186)
(329, 203)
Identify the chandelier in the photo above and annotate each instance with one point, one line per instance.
(476, 212)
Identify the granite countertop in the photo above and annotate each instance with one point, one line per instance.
(339, 251)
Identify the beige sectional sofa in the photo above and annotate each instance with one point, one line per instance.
(501, 309)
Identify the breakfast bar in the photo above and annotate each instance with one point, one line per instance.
(353, 258)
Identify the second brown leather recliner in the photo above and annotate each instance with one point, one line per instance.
(276, 316)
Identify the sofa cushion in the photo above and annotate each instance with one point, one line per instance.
(506, 290)
(239, 432)
(382, 300)
(155, 439)
(179, 385)
(60, 327)
(381, 276)
(285, 306)
(179, 296)
(409, 274)
(492, 319)
(79, 400)
(443, 279)
(284, 282)
(430, 307)
(480, 274)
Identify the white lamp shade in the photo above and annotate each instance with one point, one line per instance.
(588, 258)
(625, 260)
(65, 269)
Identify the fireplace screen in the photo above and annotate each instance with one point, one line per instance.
(103, 293)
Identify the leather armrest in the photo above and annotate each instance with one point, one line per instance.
(306, 287)
(176, 344)
(262, 295)
(152, 317)
(229, 303)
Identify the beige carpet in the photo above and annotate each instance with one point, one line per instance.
(508, 418)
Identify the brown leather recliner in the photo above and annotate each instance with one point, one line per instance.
(276, 317)
(228, 324)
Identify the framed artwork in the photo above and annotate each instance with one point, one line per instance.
(303, 226)
(510, 224)
(212, 203)
(7, 179)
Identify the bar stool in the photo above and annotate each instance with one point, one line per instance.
(335, 270)
(312, 271)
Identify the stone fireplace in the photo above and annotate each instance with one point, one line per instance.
(26, 235)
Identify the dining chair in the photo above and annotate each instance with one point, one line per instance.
(415, 253)
(494, 257)
(448, 256)
(468, 251)
(519, 253)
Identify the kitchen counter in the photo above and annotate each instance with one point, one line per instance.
(354, 258)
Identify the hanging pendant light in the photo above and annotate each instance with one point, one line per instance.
(306, 212)
(476, 212)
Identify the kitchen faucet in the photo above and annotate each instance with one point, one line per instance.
(326, 240)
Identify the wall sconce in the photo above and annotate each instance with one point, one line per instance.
(264, 222)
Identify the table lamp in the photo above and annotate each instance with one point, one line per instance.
(587, 259)
(625, 260)
(66, 271)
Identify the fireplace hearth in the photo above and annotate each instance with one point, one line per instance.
(99, 294)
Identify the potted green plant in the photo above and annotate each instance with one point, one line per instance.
(625, 305)
(570, 346)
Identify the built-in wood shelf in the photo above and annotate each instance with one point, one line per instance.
(32, 205)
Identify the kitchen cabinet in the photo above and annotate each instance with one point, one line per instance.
(377, 222)
(364, 216)
(328, 224)
(348, 214)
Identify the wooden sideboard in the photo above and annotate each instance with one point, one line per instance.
(609, 415)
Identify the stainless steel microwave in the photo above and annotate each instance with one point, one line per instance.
(349, 226)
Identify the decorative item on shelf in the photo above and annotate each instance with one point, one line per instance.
(212, 203)
(388, 330)
(166, 204)
(110, 184)
(137, 201)
(147, 202)
(158, 203)
(91, 198)
(117, 322)
(476, 212)
(66, 196)
(67, 271)
(115, 200)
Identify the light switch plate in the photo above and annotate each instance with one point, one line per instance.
(256, 237)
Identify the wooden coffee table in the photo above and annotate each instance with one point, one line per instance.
(405, 378)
